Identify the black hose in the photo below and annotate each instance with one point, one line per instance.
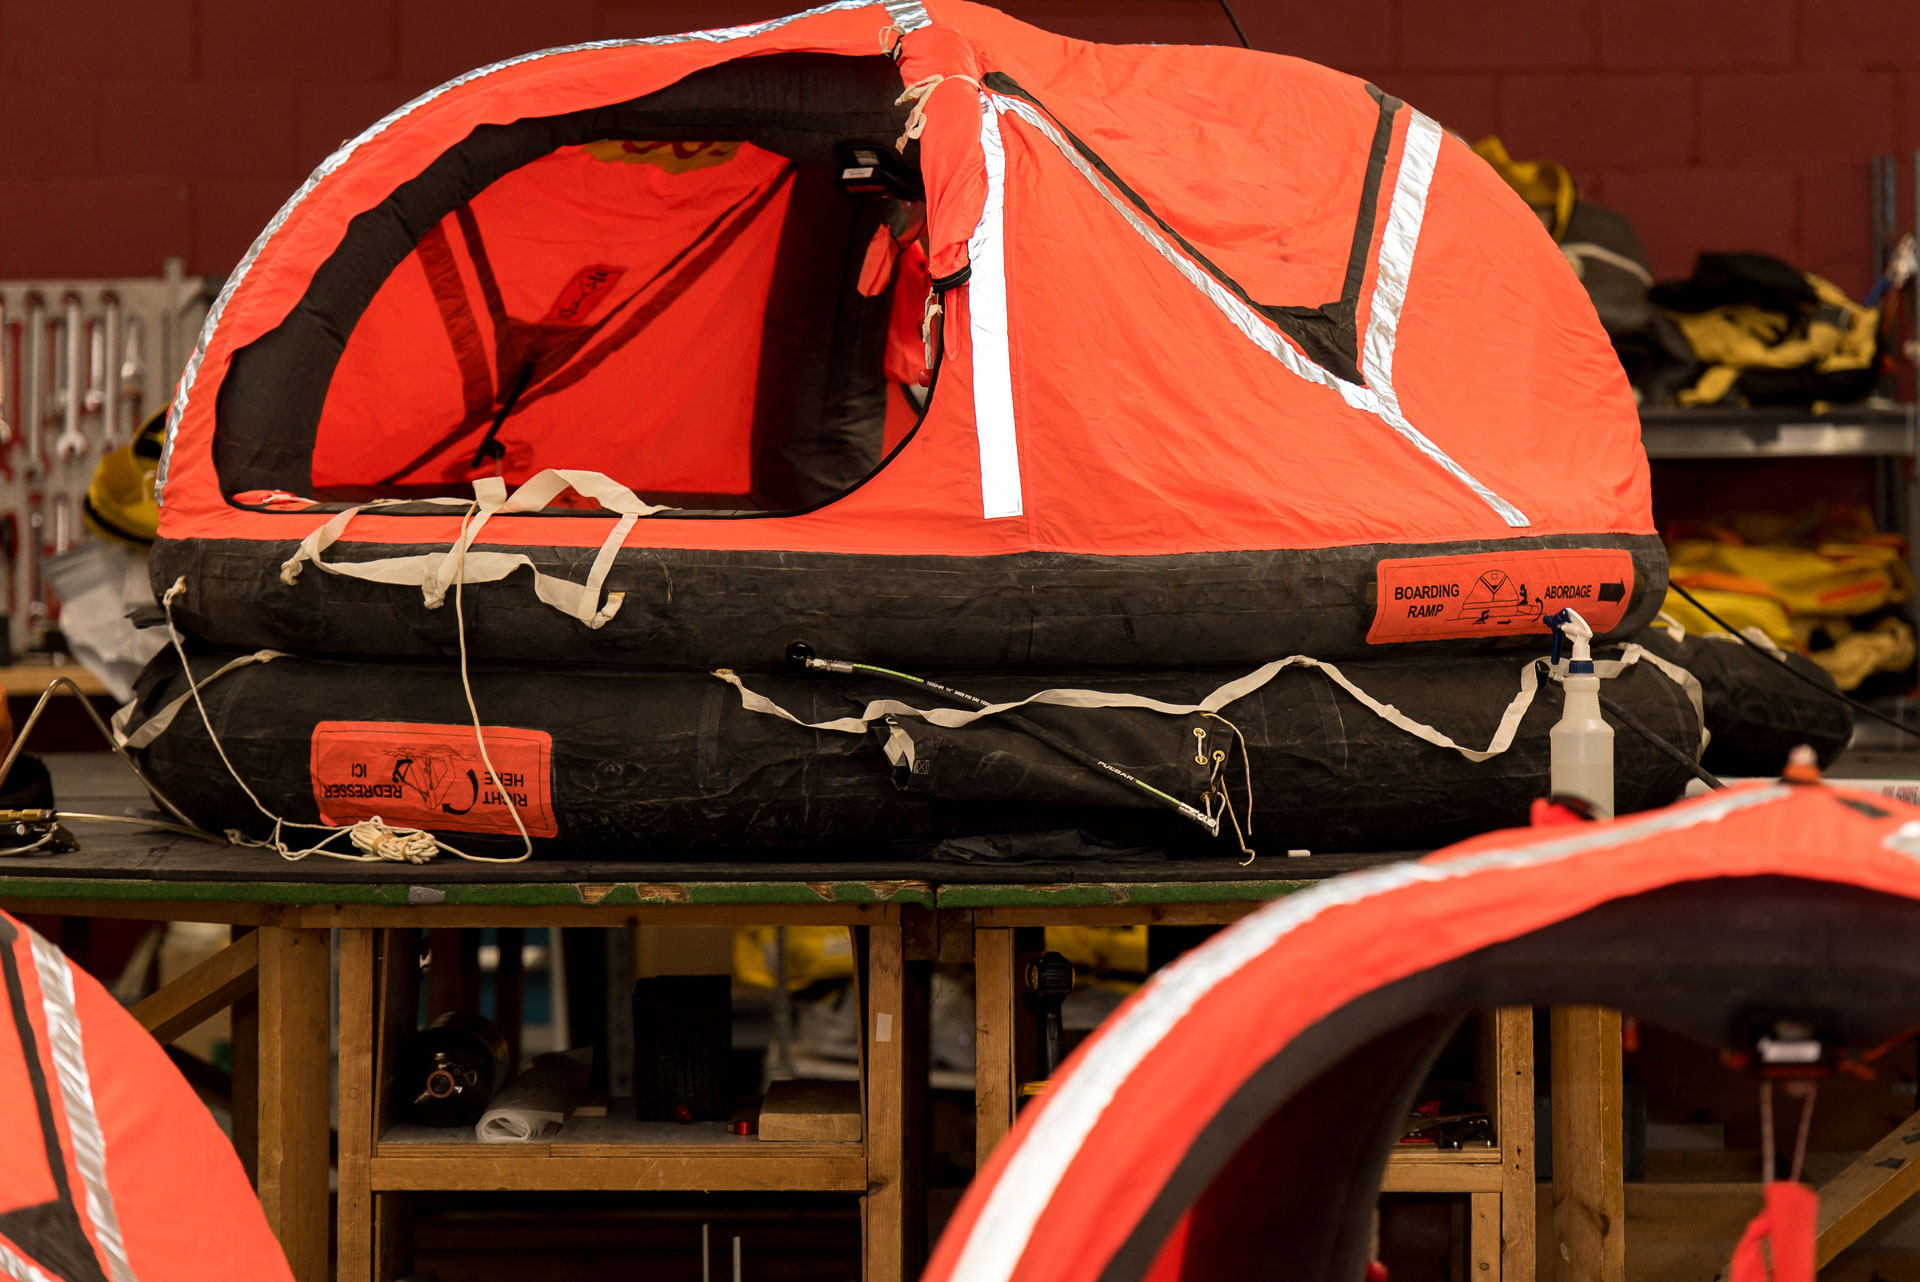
(1640, 728)
(1734, 632)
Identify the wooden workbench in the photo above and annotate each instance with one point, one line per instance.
(288, 910)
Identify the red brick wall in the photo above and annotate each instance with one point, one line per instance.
(134, 129)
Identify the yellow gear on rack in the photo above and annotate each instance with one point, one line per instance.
(120, 503)
(814, 953)
(1544, 184)
(1841, 335)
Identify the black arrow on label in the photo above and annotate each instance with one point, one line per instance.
(1613, 592)
(473, 781)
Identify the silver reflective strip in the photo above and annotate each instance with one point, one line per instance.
(1405, 213)
(908, 15)
(68, 1048)
(1076, 1102)
(1418, 157)
(15, 1269)
(1378, 401)
(992, 352)
(905, 16)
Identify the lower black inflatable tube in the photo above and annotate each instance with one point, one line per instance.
(640, 766)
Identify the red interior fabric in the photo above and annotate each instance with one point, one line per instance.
(556, 266)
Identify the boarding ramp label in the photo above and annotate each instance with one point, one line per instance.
(1498, 594)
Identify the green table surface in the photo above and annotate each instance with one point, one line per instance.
(120, 862)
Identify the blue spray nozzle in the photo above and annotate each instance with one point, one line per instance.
(1556, 622)
(1580, 661)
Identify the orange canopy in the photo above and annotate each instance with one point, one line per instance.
(1189, 300)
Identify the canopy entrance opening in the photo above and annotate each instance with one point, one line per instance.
(666, 290)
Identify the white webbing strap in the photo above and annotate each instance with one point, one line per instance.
(1240, 688)
(1632, 653)
(434, 572)
(953, 718)
(156, 725)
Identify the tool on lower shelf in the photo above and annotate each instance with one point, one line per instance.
(447, 1073)
(1049, 984)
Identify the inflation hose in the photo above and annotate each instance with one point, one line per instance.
(1640, 728)
(1747, 641)
(801, 656)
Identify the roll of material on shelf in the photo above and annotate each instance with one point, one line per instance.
(536, 1104)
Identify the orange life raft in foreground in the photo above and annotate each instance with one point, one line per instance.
(1235, 1117)
(1228, 356)
(111, 1169)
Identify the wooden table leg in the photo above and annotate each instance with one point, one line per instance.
(1589, 1191)
(993, 1066)
(356, 1105)
(884, 1211)
(294, 1088)
(1483, 1237)
(1513, 1121)
(244, 1041)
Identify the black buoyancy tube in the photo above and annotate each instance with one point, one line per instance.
(622, 764)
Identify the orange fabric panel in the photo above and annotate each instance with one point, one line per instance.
(183, 1204)
(950, 162)
(1191, 438)
(185, 1208)
(901, 418)
(1778, 1246)
(906, 360)
(1256, 159)
(1502, 360)
(24, 1177)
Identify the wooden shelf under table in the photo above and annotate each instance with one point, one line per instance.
(614, 1154)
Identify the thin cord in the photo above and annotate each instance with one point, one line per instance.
(1766, 1131)
(466, 686)
(7, 852)
(1737, 635)
(1808, 1091)
(377, 840)
(1238, 30)
(274, 842)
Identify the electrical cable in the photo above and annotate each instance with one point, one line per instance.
(1734, 632)
(120, 750)
(801, 655)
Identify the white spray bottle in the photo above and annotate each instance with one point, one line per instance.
(1581, 743)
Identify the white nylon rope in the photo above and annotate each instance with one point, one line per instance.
(375, 840)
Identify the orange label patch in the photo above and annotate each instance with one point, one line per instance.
(1494, 594)
(431, 776)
